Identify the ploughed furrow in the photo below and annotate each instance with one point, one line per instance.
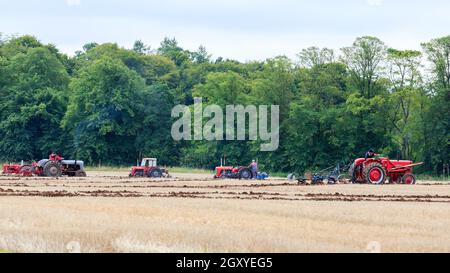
(188, 192)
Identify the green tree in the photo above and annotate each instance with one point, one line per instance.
(314, 56)
(317, 119)
(21, 44)
(406, 81)
(160, 69)
(220, 88)
(141, 48)
(201, 55)
(104, 114)
(32, 104)
(364, 61)
(275, 84)
(153, 138)
(437, 132)
(170, 49)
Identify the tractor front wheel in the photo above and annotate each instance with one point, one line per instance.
(52, 169)
(409, 179)
(374, 173)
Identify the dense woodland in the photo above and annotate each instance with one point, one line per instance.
(112, 105)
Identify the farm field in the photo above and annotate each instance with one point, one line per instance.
(110, 212)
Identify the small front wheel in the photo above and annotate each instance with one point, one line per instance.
(409, 179)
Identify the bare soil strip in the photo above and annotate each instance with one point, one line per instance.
(110, 212)
(187, 186)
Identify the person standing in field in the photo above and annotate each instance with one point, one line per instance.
(254, 169)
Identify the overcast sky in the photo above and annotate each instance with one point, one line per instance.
(238, 29)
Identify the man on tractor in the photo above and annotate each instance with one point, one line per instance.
(370, 154)
(55, 157)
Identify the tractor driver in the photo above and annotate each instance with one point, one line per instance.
(55, 157)
(370, 154)
(254, 169)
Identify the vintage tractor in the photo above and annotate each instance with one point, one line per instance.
(148, 168)
(241, 172)
(55, 166)
(377, 170)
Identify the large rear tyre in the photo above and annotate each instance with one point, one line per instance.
(52, 169)
(374, 173)
(80, 173)
(351, 173)
(156, 173)
(245, 174)
(409, 179)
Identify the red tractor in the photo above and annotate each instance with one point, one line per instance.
(242, 172)
(377, 170)
(55, 166)
(148, 168)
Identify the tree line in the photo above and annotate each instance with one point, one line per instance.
(113, 105)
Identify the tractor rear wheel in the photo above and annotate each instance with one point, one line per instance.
(52, 169)
(374, 173)
(245, 174)
(351, 173)
(156, 173)
(355, 173)
(80, 173)
(409, 179)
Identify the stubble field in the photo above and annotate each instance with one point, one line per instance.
(109, 212)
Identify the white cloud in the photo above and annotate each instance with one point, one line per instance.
(243, 30)
(375, 3)
(71, 3)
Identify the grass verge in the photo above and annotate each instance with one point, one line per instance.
(433, 178)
